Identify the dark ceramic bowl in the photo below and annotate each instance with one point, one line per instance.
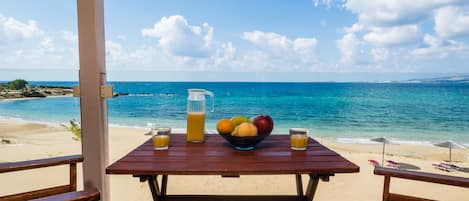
(244, 143)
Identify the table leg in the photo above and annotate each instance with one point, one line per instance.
(312, 186)
(164, 184)
(153, 183)
(299, 185)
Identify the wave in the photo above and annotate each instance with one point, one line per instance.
(18, 119)
(345, 140)
(161, 94)
(368, 141)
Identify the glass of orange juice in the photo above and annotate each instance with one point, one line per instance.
(161, 138)
(298, 138)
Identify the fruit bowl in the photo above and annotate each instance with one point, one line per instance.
(245, 134)
(244, 143)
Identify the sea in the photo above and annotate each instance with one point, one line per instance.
(416, 113)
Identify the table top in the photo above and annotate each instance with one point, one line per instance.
(216, 157)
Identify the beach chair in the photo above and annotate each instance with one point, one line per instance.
(393, 164)
(416, 176)
(374, 162)
(66, 192)
(450, 166)
(442, 167)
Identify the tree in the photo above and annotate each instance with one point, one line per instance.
(17, 84)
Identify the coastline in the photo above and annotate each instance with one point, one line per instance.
(31, 140)
(34, 98)
(326, 138)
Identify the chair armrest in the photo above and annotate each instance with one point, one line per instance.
(86, 195)
(423, 176)
(26, 165)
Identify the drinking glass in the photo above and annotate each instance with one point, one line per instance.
(161, 138)
(298, 138)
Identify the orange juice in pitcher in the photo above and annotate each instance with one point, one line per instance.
(195, 126)
(196, 114)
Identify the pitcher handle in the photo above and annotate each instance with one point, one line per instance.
(212, 97)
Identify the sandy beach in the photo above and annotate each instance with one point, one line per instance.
(28, 140)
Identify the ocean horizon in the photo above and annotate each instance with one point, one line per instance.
(416, 113)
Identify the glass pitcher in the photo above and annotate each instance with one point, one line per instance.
(196, 114)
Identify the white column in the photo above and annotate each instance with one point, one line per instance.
(93, 108)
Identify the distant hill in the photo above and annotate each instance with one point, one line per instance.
(449, 79)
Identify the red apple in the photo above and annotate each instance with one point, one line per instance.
(264, 124)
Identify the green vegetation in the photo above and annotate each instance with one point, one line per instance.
(74, 128)
(20, 88)
(16, 84)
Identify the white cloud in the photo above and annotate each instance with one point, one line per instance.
(26, 45)
(69, 36)
(225, 54)
(122, 37)
(356, 27)
(328, 3)
(276, 45)
(387, 32)
(380, 54)
(47, 44)
(395, 12)
(452, 21)
(178, 38)
(349, 47)
(440, 47)
(397, 35)
(115, 52)
(16, 30)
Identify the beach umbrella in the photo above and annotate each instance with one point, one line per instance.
(451, 145)
(384, 141)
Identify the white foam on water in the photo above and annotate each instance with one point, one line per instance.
(368, 141)
(413, 142)
(355, 141)
(124, 126)
(18, 119)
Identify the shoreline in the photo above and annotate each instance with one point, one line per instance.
(33, 98)
(35, 140)
(412, 149)
(335, 139)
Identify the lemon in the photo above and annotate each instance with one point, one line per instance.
(235, 131)
(237, 120)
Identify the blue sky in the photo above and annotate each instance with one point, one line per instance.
(310, 40)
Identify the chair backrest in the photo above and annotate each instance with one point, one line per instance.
(417, 176)
(42, 163)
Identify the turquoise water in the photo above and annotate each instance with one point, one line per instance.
(408, 112)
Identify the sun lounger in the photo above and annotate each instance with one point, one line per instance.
(393, 164)
(443, 167)
(373, 162)
(450, 166)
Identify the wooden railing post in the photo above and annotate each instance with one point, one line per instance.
(387, 181)
(73, 177)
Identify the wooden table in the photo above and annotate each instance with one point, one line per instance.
(272, 156)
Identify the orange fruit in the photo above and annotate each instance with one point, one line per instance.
(225, 126)
(247, 129)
